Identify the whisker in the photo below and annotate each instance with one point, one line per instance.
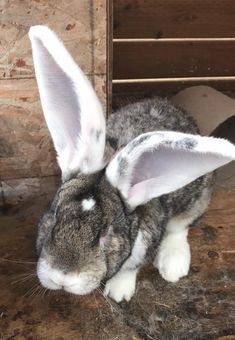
(99, 310)
(24, 273)
(44, 292)
(2, 259)
(34, 290)
(24, 278)
(35, 293)
(27, 294)
(39, 292)
(21, 275)
(108, 301)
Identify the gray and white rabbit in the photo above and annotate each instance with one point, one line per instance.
(114, 213)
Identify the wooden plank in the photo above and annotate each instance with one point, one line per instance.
(172, 80)
(174, 18)
(26, 148)
(166, 88)
(78, 24)
(19, 191)
(172, 40)
(2, 201)
(109, 66)
(168, 59)
(99, 21)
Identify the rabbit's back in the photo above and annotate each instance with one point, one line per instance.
(146, 116)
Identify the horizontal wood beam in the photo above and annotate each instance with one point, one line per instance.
(173, 80)
(173, 40)
(169, 86)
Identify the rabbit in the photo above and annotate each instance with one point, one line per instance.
(130, 189)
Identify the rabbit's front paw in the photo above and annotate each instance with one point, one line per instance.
(173, 259)
(121, 286)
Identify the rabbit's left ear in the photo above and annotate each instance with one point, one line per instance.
(161, 162)
(72, 110)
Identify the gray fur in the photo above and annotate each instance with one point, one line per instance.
(147, 116)
(73, 239)
(186, 143)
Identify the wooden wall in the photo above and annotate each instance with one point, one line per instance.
(166, 45)
(27, 159)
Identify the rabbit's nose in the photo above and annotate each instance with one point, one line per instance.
(61, 280)
(58, 278)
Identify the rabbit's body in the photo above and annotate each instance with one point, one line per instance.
(145, 116)
(160, 114)
(163, 222)
(107, 219)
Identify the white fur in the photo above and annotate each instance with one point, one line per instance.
(70, 105)
(137, 254)
(52, 278)
(166, 167)
(122, 285)
(173, 258)
(88, 204)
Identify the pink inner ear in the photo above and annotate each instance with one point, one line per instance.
(72, 110)
(142, 192)
(147, 166)
(59, 100)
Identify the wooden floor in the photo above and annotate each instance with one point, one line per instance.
(201, 306)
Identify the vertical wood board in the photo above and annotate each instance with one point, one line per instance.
(26, 149)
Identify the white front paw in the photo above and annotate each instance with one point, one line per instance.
(173, 260)
(121, 286)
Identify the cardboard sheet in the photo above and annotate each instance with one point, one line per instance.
(208, 106)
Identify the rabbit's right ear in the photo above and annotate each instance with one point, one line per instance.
(157, 163)
(72, 110)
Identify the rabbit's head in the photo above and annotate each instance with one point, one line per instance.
(84, 237)
(90, 228)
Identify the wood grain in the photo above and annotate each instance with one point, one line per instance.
(173, 59)
(78, 24)
(174, 18)
(109, 56)
(26, 149)
(169, 55)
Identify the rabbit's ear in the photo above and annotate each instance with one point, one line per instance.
(72, 110)
(158, 163)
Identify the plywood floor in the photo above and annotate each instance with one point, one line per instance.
(201, 306)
